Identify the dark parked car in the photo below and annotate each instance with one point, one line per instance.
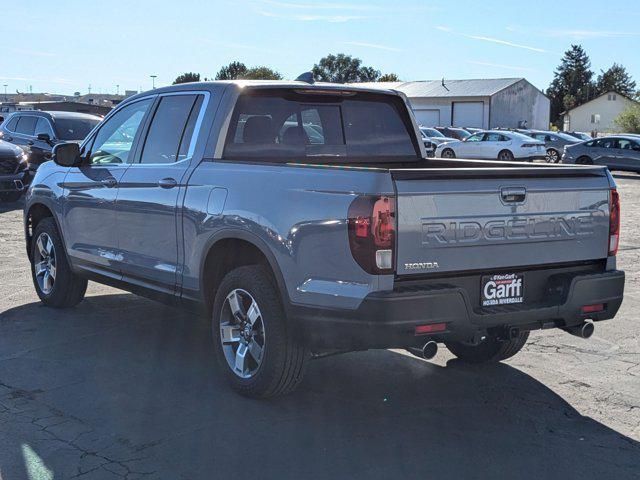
(37, 132)
(453, 132)
(13, 172)
(554, 143)
(579, 135)
(619, 152)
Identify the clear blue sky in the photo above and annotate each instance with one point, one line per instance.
(66, 45)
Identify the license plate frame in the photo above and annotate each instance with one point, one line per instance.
(501, 289)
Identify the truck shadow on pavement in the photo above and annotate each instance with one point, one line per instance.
(121, 386)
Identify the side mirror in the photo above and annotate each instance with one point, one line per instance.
(44, 137)
(67, 154)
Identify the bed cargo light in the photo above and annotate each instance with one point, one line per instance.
(372, 228)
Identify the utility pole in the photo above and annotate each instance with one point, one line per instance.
(153, 81)
(5, 92)
(89, 89)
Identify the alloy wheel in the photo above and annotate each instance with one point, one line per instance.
(242, 333)
(552, 156)
(45, 265)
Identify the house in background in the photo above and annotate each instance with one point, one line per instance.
(482, 103)
(597, 115)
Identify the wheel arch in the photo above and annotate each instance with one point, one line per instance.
(34, 215)
(230, 249)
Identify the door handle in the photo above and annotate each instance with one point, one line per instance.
(167, 183)
(30, 142)
(513, 194)
(109, 182)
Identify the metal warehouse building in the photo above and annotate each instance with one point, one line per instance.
(481, 103)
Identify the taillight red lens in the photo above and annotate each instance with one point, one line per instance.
(614, 222)
(372, 227)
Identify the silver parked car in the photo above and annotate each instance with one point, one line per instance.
(618, 152)
(554, 143)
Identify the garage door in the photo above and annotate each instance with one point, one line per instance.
(427, 118)
(468, 114)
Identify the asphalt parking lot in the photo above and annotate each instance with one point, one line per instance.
(121, 387)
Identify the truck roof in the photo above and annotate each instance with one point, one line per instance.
(240, 84)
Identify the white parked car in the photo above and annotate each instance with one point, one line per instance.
(434, 135)
(494, 144)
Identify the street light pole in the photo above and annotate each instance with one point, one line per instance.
(153, 81)
(117, 89)
(5, 92)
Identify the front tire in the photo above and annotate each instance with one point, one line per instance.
(490, 350)
(584, 160)
(448, 153)
(253, 341)
(55, 283)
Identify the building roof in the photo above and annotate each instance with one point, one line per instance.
(597, 98)
(484, 87)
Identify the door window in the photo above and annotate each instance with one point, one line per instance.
(492, 137)
(26, 125)
(112, 144)
(624, 144)
(167, 129)
(475, 138)
(43, 127)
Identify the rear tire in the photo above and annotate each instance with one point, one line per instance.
(54, 281)
(490, 350)
(254, 344)
(448, 153)
(584, 160)
(553, 156)
(506, 156)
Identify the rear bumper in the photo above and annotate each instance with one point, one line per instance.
(15, 182)
(388, 319)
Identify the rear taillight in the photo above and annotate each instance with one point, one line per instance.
(614, 222)
(372, 233)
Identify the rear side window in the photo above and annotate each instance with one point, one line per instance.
(278, 125)
(74, 128)
(27, 125)
(168, 127)
(12, 123)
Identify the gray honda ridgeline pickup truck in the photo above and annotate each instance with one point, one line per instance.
(306, 219)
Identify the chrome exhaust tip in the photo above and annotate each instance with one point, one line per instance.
(429, 350)
(584, 330)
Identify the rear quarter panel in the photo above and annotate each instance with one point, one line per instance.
(297, 212)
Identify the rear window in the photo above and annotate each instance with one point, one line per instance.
(74, 128)
(278, 125)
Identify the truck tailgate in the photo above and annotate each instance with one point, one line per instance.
(452, 220)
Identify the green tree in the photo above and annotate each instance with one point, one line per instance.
(262, 73)
(629, 119)
(572, 82)
(343, 68)
(239, 71)
(187, 77)
(389, 77)
(616, 79)
(232, 71)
